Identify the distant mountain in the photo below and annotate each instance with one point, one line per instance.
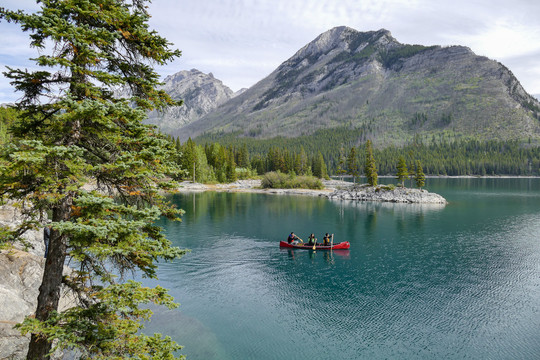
(391, 91)
(201, 94)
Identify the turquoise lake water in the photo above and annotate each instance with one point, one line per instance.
(460, 281)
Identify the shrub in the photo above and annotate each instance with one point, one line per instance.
(278, 180)
(245, 173)
(389, 187)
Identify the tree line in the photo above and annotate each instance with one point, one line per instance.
(443, 154)
(215, 162)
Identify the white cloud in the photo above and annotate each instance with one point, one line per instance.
(505, 39)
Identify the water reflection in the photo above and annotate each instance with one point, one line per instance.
(328, 256)
(387, 206)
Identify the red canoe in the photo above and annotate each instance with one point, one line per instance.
(341, 246)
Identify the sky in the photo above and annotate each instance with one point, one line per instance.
(242, 41)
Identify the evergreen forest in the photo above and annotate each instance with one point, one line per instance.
(334, 152)
(439, 155)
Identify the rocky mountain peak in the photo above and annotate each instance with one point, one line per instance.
(200, 93)
(343, 38)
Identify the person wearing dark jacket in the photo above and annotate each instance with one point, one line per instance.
(293, 239)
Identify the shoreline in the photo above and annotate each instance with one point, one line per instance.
(333, 189)
(254, 186)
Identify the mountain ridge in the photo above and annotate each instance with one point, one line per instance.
(394, 91)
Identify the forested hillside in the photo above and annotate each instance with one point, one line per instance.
(441, 155)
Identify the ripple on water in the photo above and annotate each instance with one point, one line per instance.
(452, 283)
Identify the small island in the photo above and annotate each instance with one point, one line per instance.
(332, 189)
(387, 193)
(315, 181)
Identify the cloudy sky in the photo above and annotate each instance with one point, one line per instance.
(242, 41)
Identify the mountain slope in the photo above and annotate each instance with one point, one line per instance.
(392, 91)
(201, 94)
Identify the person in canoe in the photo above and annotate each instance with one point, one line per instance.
(293, 239)
(312, 240)
(326, 240)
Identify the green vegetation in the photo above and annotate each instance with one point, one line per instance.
(394, 55)
(419, 175)
(402, 171)
(8, 117)
(352, 164)
(278, 180)
(319, 167)
(73, 131)
(341, 169)
(441, 154)
(389, 187)
(465, 157)
(370, 168)
(214, 162)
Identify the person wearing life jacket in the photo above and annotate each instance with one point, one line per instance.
(312, 239)
(292, 239)
(326, 240)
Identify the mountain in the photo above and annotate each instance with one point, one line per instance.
(201, 94)
(388, 91)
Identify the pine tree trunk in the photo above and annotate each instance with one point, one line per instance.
(49, 291)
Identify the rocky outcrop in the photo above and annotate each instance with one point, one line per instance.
(201, 93)
(20, 277)
(387, 194)
(21, 273)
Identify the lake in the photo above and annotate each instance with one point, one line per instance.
(460, 281)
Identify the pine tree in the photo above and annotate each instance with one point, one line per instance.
(230, 167)
(302, 164)
(411, 166)
(370, 168)
(341, 164)
(188, 159)
(243, 157)
(402, 171)
(319, 167)
(73, 132)
(352, 164)
(420, 177)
